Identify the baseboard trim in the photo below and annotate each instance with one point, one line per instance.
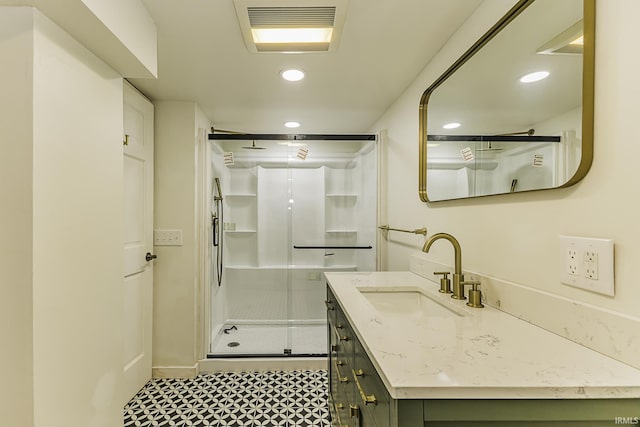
(175, 371)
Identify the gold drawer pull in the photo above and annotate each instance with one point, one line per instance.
(340, 377)
(340, 337)
(354, 411)
(338, 422)
(370, 399)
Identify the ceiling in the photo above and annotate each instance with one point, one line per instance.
(383, 47)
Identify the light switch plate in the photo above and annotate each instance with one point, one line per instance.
(167, 237)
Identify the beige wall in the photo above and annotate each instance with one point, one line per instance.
(515, 237)
(78, 229)
(177, 337)
(131, 25)
(67, 182)
(16, 196)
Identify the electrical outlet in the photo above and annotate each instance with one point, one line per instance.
(587, 263)
(591, 264)
(590, 256)
(571, 261)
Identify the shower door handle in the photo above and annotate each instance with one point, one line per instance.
(149, 256)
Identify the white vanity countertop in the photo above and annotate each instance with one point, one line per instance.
(486, 354)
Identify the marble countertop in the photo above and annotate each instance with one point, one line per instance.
(484, 354)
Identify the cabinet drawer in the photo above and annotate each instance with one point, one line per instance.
(344, 338)
(332, 307)
(373, 398)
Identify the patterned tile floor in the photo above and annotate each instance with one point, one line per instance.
(233, 399)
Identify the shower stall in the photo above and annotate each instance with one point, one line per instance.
(285, 211)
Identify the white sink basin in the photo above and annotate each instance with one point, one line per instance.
(409, 302)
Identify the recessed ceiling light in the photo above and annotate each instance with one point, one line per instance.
(291, 35)
(451, 125)
(534, 77)
(292, 124)
(292, 75)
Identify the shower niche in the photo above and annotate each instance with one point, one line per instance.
(286, 220)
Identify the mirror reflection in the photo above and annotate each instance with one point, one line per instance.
(515, 112)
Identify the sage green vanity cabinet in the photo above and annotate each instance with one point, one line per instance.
(357, 395)
(359, 398)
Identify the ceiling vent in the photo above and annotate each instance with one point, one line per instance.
(276, 26)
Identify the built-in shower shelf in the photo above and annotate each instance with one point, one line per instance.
(240, 267)
(241, 195)
(240, 231)
(341, 195)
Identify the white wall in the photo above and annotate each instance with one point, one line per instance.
(178, 326)
(515, 237)
(67, 182)
(120, 32)
(129, 22)
(77, 228)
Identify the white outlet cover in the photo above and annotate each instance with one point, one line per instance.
(602, 261)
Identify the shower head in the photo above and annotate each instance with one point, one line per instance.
(489, 147)
(219, 196)
(253, 146)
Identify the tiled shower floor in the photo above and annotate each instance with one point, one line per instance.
(263, 339)
(233, 399)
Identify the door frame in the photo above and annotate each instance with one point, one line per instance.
(204, 191)
(203, 194)
(135, 379)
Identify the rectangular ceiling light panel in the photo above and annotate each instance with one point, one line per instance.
(290, 26)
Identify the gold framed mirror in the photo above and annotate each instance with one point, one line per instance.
(488, 127)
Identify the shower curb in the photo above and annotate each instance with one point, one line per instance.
(261, 364)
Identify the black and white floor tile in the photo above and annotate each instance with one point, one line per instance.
(233, 399)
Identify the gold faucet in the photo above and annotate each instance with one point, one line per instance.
(458, 277)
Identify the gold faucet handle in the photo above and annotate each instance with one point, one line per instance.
(445, 282)
(475, 294)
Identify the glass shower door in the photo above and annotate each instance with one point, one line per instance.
(333, 228)
(286, 220)
(307, 321)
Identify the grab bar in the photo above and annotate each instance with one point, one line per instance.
(422, 230)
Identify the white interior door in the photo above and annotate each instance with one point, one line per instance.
(138, 239)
